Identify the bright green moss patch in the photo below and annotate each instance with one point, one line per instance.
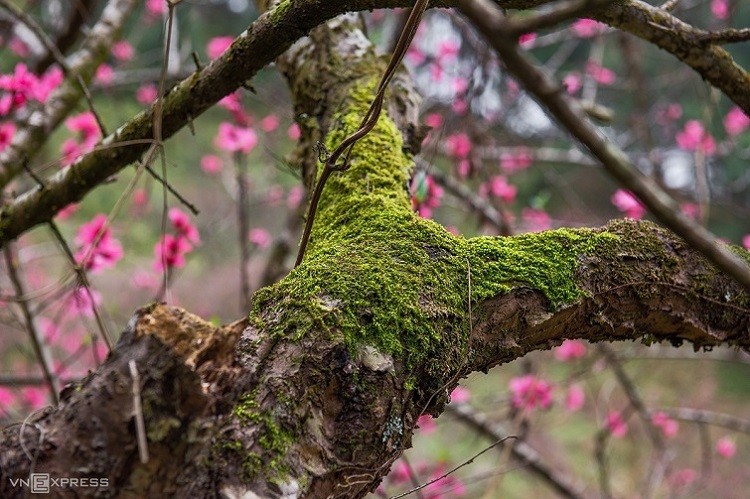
(376, 273)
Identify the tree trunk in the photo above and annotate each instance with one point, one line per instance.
(318, 390)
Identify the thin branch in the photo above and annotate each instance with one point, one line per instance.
(243, 228)
(140, 425)
(521, 451)
(726, 36)
(43, 355)
(708, 417)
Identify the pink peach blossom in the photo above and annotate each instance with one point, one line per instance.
(616, 424)
(736, 121)
(570, 350)
(260, 238)
(146, 93)
(575, 398)
(211, 164)
(726, 448)
(216, 46)
(628, 204)
(123, 51)
(530, 392)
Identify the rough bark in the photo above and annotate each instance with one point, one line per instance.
(318, 391)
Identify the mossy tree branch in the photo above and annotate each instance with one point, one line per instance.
(319, 389)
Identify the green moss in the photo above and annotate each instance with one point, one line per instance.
(279, 11)
(273, 439)
(376, 273)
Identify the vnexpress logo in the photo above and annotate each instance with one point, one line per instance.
(41, 483)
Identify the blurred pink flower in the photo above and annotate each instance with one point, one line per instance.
(7, 399)
(575, 398)
(295, 196)
(47, 83)
(184, 227)
(736, 121)
(170, 252)
(447, 487)
(720, 9)
(691, 210)
(463, 168)
(232, 138)
(668, 114)
(668, 426)
(147, 93)
(616, 425)
(156, 7)
(570, 350)
(415, 56)
(270, 123)
(433, 120)
(294, 131)
(694, 137)
(726, 448)
(144, 280)
(87, 128)
(426, 424)
(628, 204)
(35, 397)
(602, 75)
(499, 187)
(459, 106)
(82, 302)
(536, 220)
(682, 478)
(460, 395)
(274, 194)
(587, 28)
(67, 211)
(211, 164)
(7, 131)
(572, 82)
(216, 46)
(527, 40)
(746, 242)
(18, 47)
(105, 75)
(520, 159)
(259, 237)
(530, 392)
(123, 51)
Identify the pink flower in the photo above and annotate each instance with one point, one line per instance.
(66, 212)
(691, 210)
(426, 424)
(82, 302)
(295, 196)
(443, 488)
(47, 83)
(97, 248)
(259, 237)
(736, 121)
(294, 131)
(669, 427)
(86, 126)
(436, 72)
(746, 242)
(146, 93)
(170, 252)
(35, 397)
(536, 220)
(530, 392)
(18, 47)
(459, 106)
(499, 187)
(572, 82)
(414, 56)
(270, 123)
(616, 425)
(682, 478)
(518, 160)
(459, 145)
(7, 131)
(232, 138)
(274, 194)
(211, 164)
(459, 85)
(720, 9)
(156, 7)
(7, 399)
(433, 120)
(144, 280)
(181, 222)
(694, 137)
(671, 113)
(123, 51)
(587, 28)
(105, 75)
(575, 398)
(570, 350)
(460, 395)
(527, 40)
(600, 74)
(216, 46)
(726, 448)
(628, 204)
(463, 168)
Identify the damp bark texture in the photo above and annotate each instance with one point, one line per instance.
(317, 391)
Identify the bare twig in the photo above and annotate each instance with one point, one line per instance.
(243, 228)
(140, 424)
